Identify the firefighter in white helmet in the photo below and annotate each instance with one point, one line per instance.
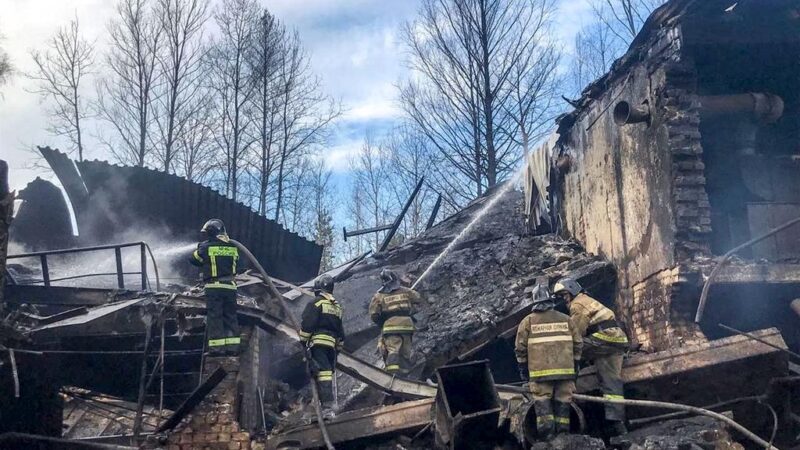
(604, 343)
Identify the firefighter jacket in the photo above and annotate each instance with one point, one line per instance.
(217, 259)
(550, 344)
(596, 322)
(321, 323)
(393, 310)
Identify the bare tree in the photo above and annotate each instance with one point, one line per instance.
(466, 52)
(232, 84)
(6, 68)
(59, 72)
(624, 18)
(370, 169)
(595, 49)
(265, 60)
(195, 139)
(409, 162)
(305, 111)
(323, 205)
(180, 63)
(125, 98)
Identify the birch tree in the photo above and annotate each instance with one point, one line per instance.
(467, 55)
(230, 80)
(180, 63)
(126, 97)
(60, 74)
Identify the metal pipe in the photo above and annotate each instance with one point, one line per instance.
(118, 261)
(625, 113)
(677, 407)
(707, 285)
(76, 250)
(765, 107)
(379, 228)
(388, 239)
(758, 339)
(293, 321)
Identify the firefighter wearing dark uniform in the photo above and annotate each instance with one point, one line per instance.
(548, 348)
(322, 331)
(604, 343)
(392, 308)
(217, 257)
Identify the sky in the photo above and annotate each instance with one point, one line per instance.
(354, 45)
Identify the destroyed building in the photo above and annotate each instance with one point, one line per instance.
(667, 162)
(687, 148)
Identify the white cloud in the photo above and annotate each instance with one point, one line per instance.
(337, 158)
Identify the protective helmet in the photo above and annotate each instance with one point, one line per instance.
(213, 227)
(541, 294)
(567, 285)
(388, 275)
(324, 282)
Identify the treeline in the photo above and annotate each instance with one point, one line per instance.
(225, 95)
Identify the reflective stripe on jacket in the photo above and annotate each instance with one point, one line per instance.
(217, 260)
(393, 310)
(596, 322)
(550, 344)
(322, 322)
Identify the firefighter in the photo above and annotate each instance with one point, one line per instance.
(217, 258)
(322, 331)
(548, 349)
(604, 343)
(392, 308)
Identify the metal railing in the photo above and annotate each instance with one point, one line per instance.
(120, 273)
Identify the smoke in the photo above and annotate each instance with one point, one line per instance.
(99, 268)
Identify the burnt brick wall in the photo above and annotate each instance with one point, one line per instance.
(635, 193)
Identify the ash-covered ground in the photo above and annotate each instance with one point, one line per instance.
(484, 279)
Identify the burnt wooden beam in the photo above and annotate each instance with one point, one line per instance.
(194, 399)
(364, 423)
(64, 296)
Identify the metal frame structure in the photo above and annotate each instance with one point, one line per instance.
(119, 272)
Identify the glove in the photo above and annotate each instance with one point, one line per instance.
(339, 346)
(523, 372)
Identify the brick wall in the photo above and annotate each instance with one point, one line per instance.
(659, 318)
(213, 424)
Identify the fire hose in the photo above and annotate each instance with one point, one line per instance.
(677, 407)
(290, 317)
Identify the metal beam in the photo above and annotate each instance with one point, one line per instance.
(399, 219)
(379, 228)
(434, 213)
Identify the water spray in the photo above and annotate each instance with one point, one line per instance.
(475, 220)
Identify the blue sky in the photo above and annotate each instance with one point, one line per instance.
(354, 46)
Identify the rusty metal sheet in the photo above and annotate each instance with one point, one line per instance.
(364, 423)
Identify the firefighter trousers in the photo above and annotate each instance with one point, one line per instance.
(608, 363)
(396, 352)
(551, 401)
(323, 365)
(222, 326)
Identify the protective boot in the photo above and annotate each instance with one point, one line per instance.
(616, 428)
(562, 414)
(545, 423)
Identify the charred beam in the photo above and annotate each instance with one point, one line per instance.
(194, 399)
(399, 219)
